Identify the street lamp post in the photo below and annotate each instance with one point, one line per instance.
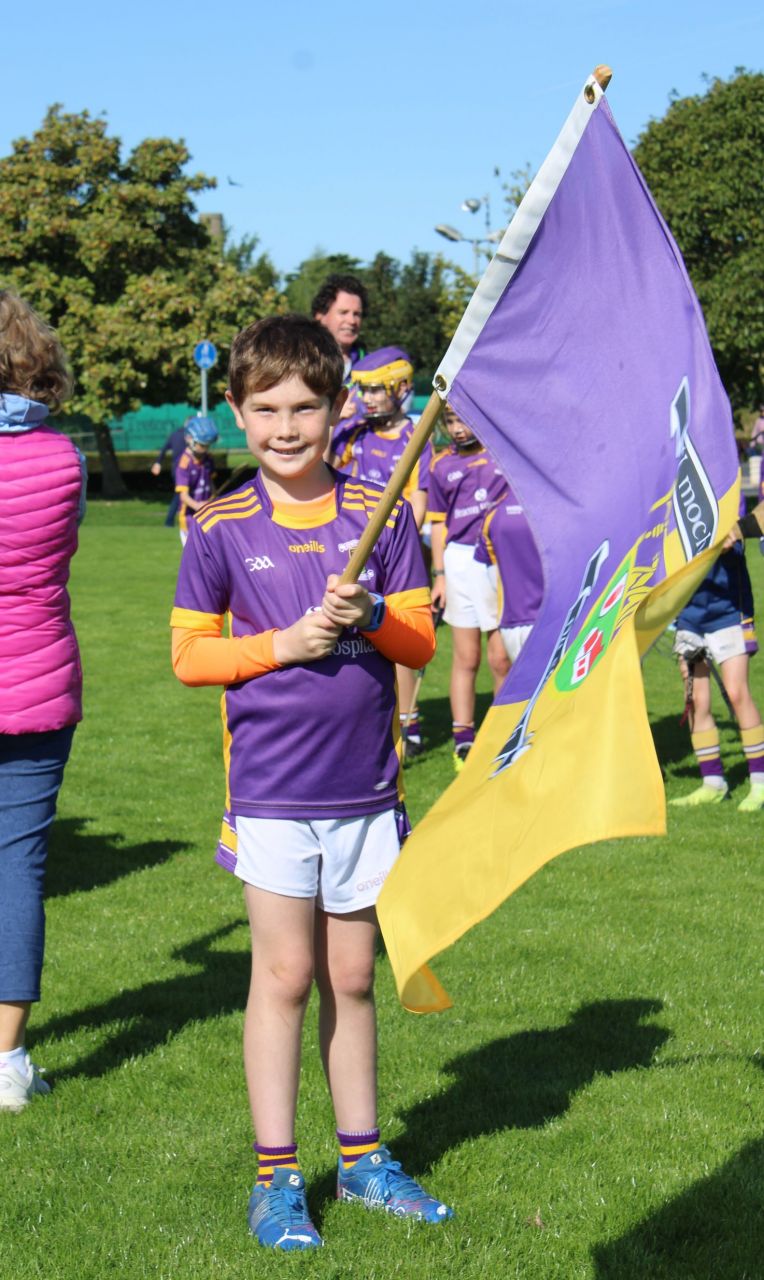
(471, 205)
(450, 233)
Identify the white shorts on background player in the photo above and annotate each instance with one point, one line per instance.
(514, 638)
(471, 594)
(341, 862)
(724, 644)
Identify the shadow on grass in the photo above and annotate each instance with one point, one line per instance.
(78, 861)
(713, 1230)
(524, 1080)
(672, 744)
(437, 719)
(150, 1015)
(674, 749)
(521, 1081)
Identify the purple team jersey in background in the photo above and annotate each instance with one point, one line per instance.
(506, 541)
(463, 487)
(195, 474)
(316, 740)
(366, 454)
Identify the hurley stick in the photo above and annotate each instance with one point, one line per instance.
(393, 490)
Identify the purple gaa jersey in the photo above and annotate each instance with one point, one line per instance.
(304, 741)
(463, 487)
(366, 454)
(506, 541)
(194, 476)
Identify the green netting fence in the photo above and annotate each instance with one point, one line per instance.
(146, 429)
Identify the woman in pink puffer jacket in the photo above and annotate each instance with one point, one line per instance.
(41, 503)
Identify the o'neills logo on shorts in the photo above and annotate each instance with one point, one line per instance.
(375, 882)
(307, 546)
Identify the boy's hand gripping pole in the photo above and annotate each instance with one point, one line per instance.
(393, 490)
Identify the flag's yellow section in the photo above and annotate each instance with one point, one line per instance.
(590, 773)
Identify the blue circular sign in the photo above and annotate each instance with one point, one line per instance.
(205, 354)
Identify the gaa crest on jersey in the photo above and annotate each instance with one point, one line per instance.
(256, 563)
(696, 509)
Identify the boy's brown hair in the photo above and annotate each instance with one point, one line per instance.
(32, 360)
(280, 347)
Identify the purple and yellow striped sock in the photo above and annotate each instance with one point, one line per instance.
(705, 744)
(355, 1145)
(464, 734)
(271, 1158)
(410, 725)
(753, 746)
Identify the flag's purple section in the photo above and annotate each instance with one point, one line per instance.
(571, 382)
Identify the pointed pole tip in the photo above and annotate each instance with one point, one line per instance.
(603, 75)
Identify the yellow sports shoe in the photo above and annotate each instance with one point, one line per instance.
(701, 795)
(754, 801)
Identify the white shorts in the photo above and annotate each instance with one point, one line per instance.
(341, 862)
(724, 644)
(471, 594)
(514, 638)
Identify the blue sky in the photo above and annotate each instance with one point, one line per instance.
(358, 127)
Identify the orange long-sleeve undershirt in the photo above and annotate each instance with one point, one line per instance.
(206, 657)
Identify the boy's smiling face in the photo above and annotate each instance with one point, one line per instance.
(287, 429)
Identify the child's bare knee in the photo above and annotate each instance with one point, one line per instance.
(353, 981)
(289, 980)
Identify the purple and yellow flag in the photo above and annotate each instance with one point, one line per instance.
(583, 363)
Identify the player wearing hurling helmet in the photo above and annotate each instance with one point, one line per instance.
(369, 451)
(194, 473)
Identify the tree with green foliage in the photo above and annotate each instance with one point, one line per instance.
(703, 163)
(405, 308)
(416, 305)
(303, 284)
(109, 251)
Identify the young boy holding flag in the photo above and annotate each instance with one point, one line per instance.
(313, 819)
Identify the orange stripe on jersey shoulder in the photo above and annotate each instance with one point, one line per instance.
(360, 498)
(232, 513)
(195, 620)
(360, 490)
(231, 499)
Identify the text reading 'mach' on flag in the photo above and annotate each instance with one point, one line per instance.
(583, 363)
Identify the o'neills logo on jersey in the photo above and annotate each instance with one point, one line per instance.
(307, 546)
(696, 510)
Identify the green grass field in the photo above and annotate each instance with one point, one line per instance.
(593, 1106)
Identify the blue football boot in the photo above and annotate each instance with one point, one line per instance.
(278, 1214)
(379, 1182)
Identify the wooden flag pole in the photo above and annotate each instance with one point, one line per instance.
(393, 490)
(422, 432)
